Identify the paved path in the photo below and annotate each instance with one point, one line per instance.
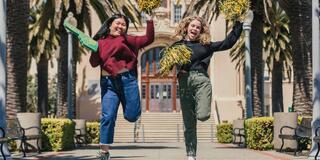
(166, 151)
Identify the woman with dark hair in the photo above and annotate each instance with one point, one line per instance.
(194, 84)
(117, 57)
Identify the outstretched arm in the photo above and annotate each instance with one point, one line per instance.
(84, 39)
(142, 41)
(230, 40)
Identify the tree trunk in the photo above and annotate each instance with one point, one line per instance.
(42, 68)
(299, 12)
(17, 52)
(256, 37)
(277, 93)
(62, 75)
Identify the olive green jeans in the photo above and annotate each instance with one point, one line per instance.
(195, 99)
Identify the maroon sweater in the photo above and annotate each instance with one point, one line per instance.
(121, 52)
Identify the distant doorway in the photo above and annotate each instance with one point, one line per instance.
(159, 94)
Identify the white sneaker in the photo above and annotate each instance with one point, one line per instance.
(103, 156)
(191, 158)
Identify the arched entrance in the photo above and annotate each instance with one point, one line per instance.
(158, 94)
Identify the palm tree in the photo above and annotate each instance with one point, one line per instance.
(210, 10)
(278, 51)
(43, 41)
(17, 46)
(257, 67)
(299, 13)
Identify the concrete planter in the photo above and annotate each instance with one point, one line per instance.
(284, 119)
(31, 120)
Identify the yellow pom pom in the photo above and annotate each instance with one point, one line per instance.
(175, 55)
(148, 5)
(234, 9)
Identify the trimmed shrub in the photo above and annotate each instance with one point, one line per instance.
(224, 133)
(58, 134)
(259, 133)
(93, 132)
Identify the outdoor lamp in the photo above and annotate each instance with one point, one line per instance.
(70, 99)
(248, 88)
(248, 20)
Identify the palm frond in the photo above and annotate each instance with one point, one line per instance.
(99, 9)
(203, 8)
(277, 39)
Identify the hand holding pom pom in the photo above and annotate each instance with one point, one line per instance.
(235, 9)
(148, 5)
(174, 55)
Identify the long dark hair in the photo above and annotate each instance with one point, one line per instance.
(105, 27)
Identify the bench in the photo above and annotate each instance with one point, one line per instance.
(303, 130)
(316, 139)
(238, 132)
(14, 131)
(2, 141)
(80, 135)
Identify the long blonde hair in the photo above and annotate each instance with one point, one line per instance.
(181, 29)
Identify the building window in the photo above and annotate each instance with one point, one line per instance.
(157, 92)
(152, 92)
(178, 93)
(164, 92)
(151, 59)
(143, 91)
(169, 91)
(143, 63)
(177, 13)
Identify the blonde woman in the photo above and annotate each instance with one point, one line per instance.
(194, 83)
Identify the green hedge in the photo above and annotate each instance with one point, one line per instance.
(224, 133)
(93, 130)
(259, 133)
(58, 134)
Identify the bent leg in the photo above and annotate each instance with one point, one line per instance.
(203, 94)
(130, 97)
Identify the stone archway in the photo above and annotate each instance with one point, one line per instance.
(158, 94)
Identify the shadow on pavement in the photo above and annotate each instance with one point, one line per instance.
(141, 147)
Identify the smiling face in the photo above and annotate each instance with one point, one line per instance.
(118, 27)
(193, 31)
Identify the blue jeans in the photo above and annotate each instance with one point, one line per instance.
(115, 90)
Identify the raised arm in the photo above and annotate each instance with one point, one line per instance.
(230, 40)
(142, 41)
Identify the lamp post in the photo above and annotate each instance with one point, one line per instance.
(73, 22)
(247, 28)
(315, 74)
